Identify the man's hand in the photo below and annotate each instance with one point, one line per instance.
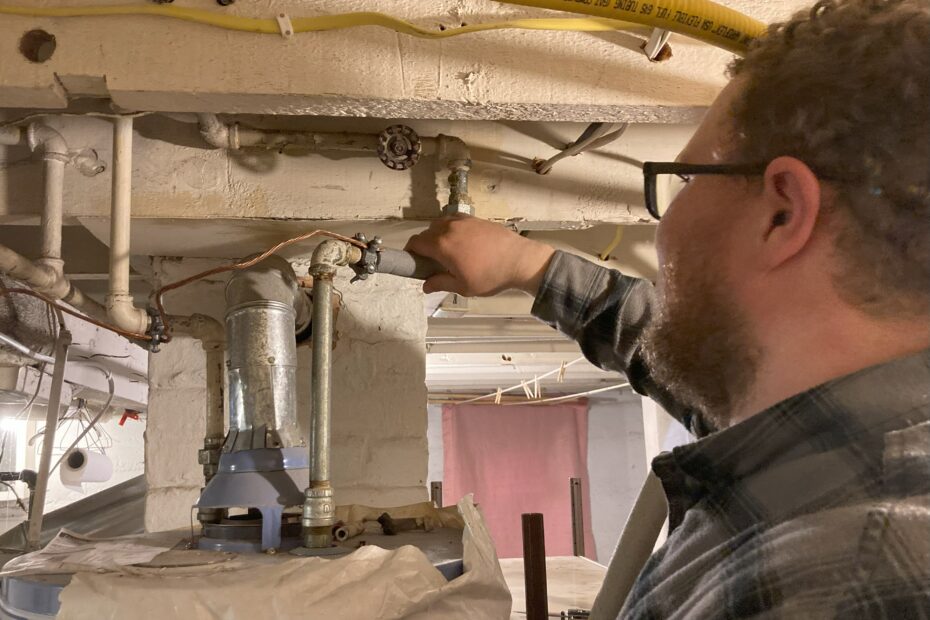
(481, 258)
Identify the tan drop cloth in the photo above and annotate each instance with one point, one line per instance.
(370, 583)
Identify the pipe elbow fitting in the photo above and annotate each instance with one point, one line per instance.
(51, 142)
(216, 133)
(56, 286)
(454, 153)
(331, 254)
(124, 314)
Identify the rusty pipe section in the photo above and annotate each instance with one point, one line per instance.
(233, 136)
(451, 152)
(319, 513)
(454, 156)
(264, 308)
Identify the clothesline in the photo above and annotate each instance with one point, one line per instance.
(524, 384)
(569, 396)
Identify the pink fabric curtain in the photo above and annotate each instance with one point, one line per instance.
(516, 460)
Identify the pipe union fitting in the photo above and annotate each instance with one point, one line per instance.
(319, 508)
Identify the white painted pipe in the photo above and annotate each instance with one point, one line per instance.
(633, 549)
(47, 274)
(55, 154)
(120, 307)
(54, 206)
(21, 268)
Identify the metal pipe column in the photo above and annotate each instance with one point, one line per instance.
(319, 507)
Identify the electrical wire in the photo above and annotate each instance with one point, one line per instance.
(159, 294)
(25, 410)
(618, 236)
(93, 423)
(60, 308)
(19, 500)
(321, 22)
(28, 406)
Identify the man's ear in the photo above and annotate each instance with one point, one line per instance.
(791, 199)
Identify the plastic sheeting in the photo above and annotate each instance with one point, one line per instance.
(369, 583)
(69, 552)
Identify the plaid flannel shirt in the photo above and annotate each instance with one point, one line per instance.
(818, 507)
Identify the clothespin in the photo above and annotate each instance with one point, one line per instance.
(497, 397)
(526, 390)
(536, 387)
(561, 378)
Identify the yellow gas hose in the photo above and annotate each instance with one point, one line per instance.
(318, 23)
(700, 19)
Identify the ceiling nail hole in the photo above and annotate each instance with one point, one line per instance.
(37, 45)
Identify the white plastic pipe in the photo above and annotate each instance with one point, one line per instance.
(633, 549)
(120, 307)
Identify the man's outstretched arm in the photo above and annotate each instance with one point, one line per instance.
(602, 309)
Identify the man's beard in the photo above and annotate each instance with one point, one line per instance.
(698, 344)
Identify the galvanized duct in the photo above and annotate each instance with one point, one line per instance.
(264, 308)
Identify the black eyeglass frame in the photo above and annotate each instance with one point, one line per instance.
(651, 170)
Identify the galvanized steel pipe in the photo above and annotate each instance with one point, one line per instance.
(319, 505)
(321, 390)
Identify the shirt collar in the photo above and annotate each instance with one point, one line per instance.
(873, 401)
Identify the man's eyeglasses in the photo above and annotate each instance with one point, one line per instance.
(663, 180)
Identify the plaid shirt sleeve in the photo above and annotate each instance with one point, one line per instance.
(606, 313)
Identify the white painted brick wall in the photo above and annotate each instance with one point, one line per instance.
(379, 397)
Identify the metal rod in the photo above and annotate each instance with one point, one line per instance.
(534, 567)
(577, 516)
(16, 344)
(34, 534)
(435, 493)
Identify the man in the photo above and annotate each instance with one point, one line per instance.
(789, 328)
